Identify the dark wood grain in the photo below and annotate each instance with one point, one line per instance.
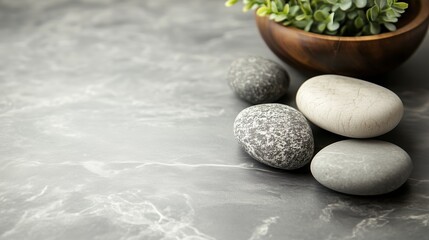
(352, 56)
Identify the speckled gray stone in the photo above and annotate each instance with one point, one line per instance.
(258, 80)
(362, 167)
(276, 135)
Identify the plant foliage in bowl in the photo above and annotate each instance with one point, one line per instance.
(358, 38)
(331, 17)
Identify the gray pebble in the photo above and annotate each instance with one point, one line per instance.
(361, 167)
(258, 80)
(276, 135)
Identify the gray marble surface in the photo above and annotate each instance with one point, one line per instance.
(116, 123)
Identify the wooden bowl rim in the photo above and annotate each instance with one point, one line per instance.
(422, 16)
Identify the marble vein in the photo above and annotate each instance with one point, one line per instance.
(261, 231)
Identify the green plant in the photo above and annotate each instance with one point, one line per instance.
(331, 17)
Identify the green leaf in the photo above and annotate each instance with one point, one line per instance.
(247, 7)
(339, 16)
(390, 26)
(325, 8)
(301, 17)
(333, 26)
(320, 15)
(361, 13)
(286, 9)
(262, 11)
(331, 17)
(343, 29)
(345, 5)
(308, 26)
(401, 5)
(372, 13)
(331, 33)
(365, 30)
(374, 28)
(391, 13)
(398, 10)
(368, 14)
(390, 19)
(321, 27)
(352, 15)
(280, 4)
(375, 11)
(280, 18)
(381, 4)
(287, 23)
(360, 3)
(293, 10)
(359, 22)
(268, 4)
(306, 8)
(229, 3)
(274, 7)
(301, 24)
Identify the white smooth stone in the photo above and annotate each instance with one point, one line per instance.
(348, 106)
(362, 167)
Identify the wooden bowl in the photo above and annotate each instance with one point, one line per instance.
(352, 56)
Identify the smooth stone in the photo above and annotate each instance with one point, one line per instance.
(348, 106)
(276, 135)
(361, 167)
(258, 80)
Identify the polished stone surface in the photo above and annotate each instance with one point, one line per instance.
(275, 134)
(116, 123)
(349, 106)
(362, 167)
(258, 80)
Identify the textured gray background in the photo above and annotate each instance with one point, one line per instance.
(116, 123)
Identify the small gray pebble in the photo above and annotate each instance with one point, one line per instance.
(276, 135)
(258, 80)
(362, 167)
